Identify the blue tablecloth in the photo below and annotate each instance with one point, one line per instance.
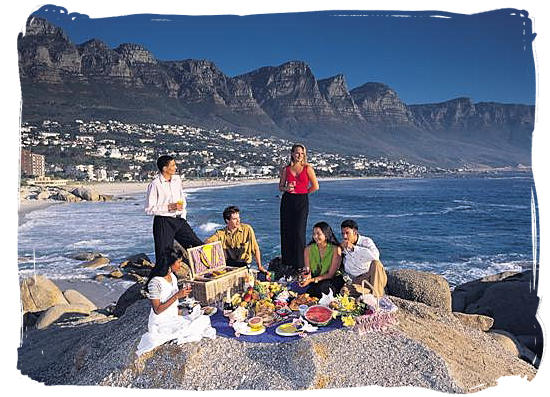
(221, 324)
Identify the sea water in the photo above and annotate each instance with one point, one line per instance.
(462, 227)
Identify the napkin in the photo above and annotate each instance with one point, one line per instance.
(326, 298)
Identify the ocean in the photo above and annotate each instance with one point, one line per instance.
(462, 227)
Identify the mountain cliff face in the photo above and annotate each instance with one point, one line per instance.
(379, 104)
(62, 79)
(335, 91)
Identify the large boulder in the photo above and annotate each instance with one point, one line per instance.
(478, 321)
(96, 263)
(428, 288)
(86, 193)
(509, 298)
(467, 293)
(76, 298)
(129, 297)
(54, 313)
(138, 264)
(39, 293)
(63, 195)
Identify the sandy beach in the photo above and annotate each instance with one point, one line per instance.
(119, 189)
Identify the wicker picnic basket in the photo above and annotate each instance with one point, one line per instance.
(382, 314)
(210, 290)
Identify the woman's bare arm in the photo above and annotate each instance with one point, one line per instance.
(282, 180)
(313, 179)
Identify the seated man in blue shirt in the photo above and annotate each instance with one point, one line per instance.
(361, 261)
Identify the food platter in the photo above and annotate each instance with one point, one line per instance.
(250, 332)
(209, 310)
(287, 329)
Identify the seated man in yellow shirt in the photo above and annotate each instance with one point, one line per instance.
(238, 241)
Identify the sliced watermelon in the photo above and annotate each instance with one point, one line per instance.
(318, 315)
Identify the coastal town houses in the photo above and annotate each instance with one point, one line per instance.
(79, 149)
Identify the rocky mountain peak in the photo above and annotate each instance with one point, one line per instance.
(94, 45)
(135, 53)
(371, 90)
(335, 85)
(40, 27)
(379, 104)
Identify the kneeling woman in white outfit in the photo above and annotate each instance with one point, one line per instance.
(165, 323)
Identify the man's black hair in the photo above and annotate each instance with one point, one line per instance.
(230, 211)
(350, 223)
(163, 161)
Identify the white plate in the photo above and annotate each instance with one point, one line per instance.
(250, 332)
(280, 332)
(211, 314)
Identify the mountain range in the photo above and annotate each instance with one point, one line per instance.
(64, 81)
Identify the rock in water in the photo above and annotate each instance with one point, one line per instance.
(54, 313)
(39, 293)
(116, 274)
(76, 298)
(509, 299)
(43, 195)
(63, 195)
(86, 193)
(430, 289)
(138, 260)
(96, 263)
(85, 256)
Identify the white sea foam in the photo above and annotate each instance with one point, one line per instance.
(86, 243)
(209, 227)
(469, 269)
(344, 215)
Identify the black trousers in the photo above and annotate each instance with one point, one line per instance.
(232, 263)
(335, 284)
(294, 211)
(166, 229)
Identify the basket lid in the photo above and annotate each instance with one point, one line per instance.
(205, 258)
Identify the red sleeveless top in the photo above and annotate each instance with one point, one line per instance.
(302, 180)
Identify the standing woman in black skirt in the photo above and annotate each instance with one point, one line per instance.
(297, 180)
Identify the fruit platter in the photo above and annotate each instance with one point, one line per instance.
(271, 303)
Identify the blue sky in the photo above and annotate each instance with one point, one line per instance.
(487, 57)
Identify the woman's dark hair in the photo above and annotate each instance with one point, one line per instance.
(230, 211)
(169, 257)
(327, 231)
(163, 161)
(350, 223)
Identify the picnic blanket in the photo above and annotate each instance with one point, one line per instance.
(221, 324)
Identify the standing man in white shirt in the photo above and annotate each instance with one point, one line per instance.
(361, 260)
(166, 202)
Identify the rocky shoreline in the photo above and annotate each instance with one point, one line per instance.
(433, 346)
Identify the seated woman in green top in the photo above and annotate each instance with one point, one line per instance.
(322, 258)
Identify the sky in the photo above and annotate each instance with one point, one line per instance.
(426, 57)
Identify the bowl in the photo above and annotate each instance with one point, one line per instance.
(256, 323)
